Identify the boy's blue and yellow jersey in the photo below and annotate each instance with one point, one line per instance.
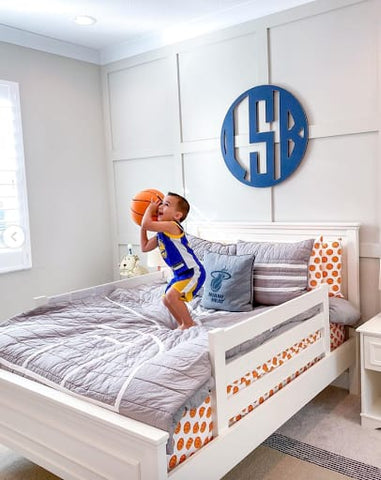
(180, 257)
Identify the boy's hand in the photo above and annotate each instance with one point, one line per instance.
(154, 205)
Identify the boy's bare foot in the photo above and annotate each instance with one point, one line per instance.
(185, 326)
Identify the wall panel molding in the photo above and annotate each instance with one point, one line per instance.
(328, 54)
(349, 126)
(370, 250)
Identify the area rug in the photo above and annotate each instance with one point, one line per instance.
(331, 461)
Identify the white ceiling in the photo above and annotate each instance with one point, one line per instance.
(123, 27)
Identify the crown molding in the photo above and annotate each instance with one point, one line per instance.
(47, 44)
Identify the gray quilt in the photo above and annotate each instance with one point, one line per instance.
(121, 351)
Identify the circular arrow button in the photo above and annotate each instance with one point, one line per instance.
(13, 236)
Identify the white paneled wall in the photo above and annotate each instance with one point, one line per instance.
(164, 112)
(210, 77)
(142, 101)
(224, 197)
(330, 61)
(336, 181)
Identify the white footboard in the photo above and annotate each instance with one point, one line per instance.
(74, 439)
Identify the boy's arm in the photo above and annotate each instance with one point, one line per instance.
(147, 244)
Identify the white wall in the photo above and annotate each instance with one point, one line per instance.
(165, 111)
(61, 107)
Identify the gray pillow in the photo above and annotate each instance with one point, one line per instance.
(280, 269)
(228, 285)
(201, 246)
(341, 311)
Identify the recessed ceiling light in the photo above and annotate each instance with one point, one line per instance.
(85, 20)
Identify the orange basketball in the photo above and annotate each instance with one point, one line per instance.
(141, 201)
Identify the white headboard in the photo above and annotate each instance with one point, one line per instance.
(230, 232)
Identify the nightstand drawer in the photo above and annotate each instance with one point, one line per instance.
(372, 353)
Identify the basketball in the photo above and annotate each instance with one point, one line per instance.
(141, 201)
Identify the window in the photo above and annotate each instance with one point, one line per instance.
(15, 251)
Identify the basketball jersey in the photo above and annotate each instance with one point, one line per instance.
(177, 253)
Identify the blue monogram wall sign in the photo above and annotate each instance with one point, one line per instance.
(281, 160)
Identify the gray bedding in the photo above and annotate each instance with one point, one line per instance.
(121, 351)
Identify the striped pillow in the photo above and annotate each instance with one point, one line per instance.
(280, 269)
(201, 246)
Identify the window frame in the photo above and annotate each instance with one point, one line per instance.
(15, 245)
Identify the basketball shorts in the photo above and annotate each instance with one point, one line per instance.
(187, 284)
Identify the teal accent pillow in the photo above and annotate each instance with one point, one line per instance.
(228, 284)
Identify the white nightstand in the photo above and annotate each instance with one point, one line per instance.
(370, 351)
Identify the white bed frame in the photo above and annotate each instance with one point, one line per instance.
(78, 440)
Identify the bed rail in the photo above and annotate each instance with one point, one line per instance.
(223, 339)
(103, 289)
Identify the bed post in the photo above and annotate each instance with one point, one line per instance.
(218, 397)
(354, 369)
(40, 301)
(327, 333)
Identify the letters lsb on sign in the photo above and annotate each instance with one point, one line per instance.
(282, 112)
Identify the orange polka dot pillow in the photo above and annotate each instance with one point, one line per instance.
(332, 266)
(325, 265)
(314, 264)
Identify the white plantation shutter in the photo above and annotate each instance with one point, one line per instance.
(15, 253)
